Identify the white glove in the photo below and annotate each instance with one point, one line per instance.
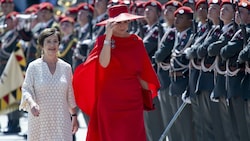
(185, 98)
(212, 97)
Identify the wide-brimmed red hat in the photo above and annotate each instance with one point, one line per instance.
(119, 13)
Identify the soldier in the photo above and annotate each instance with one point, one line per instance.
(138, 28)
(72, 12)
(245, 58)
(68, 42)
(153, 119)
(219, 92)
(9, 42)
(235, 72)
(45, 17)
(83, 33)
(7, 6)
(100, 14)
(179, 71)
(200, 96)
(25, 26)
(206, 78)
(162, 57)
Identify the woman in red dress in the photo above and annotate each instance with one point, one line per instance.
(108, 86)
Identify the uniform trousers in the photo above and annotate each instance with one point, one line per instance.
(153, 122)
(184, 123)
(218, 131)
(167, 114)
(226, 120)
(201, 106)
(236, 105)
(247, 115)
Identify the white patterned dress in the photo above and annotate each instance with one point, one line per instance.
(54, 95)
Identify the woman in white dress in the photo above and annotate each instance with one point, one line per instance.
(48, 95)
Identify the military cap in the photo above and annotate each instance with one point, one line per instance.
(67, 19)
(72, 10)
(214, 2)
(200, 2)
(183, 10)
(153, 3)
(174, 3)
(126, 2)
(11, 15)
(187, 1)
(114, 2)
(138, 4)
(244, 4)
(6, 1)
(32, 9)
(225, 2)
(85, 6)
(46, 5)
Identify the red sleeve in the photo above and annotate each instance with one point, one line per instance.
(148, 73)
(85, 81)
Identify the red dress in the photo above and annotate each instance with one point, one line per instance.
(112, 96)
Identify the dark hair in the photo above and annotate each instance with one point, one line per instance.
(46, 33)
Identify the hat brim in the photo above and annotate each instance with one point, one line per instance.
(121, 17)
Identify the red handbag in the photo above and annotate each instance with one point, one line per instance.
(148, 104)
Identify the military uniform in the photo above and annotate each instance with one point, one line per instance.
(244, 57)
(219, 91)
(162, 57)
(206, 80)
(66, 48)
(153, 119)
(235, 74)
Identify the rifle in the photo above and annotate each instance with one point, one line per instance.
(242, 25)
(90, 17)
(234, 7)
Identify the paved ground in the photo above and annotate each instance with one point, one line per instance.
(80, 135)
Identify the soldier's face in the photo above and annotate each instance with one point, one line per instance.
(169, 13)
(10, 24)
(82, 16)
(226, 12)
(182, 22)
(202, 11)
(101, 5)
(66, 28)
(213, 11)
(7, 7)
(151, 14)
(46, 15)
(242, 17)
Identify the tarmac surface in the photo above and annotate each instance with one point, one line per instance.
(80, 135)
